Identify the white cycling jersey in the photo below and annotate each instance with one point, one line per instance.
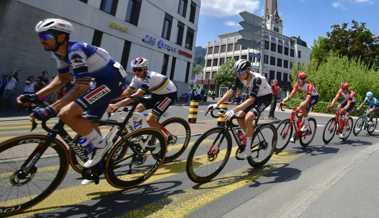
(258, 85)
(154, 83)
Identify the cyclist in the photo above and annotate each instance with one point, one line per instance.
(98, 80)
(162, 89)
(349, 100)
(310, 98)
(372, 103)
(260, 96)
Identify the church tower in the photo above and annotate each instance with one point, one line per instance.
(273, 21)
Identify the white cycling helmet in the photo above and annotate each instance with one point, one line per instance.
(140, 62)
(54, 24)
(241, 66)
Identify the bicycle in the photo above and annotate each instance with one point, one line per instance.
(365, 121)
(259, 145)
(21, 186)
(339, 124)
(286, 130)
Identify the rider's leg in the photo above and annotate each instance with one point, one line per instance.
(250, 125)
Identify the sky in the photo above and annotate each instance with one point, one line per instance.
(308, 19)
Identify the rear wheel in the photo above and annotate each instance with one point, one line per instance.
(141, 159)
(285, 130)
(348, 128)
(372, 126)
(262, 145)
(329, 130)
(307, 136)
(22, 187)
(209, 155)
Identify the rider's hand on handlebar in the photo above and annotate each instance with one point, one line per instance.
(211, 107)
(43, 113)
(229, 114)
(27, 99)
(112, 108)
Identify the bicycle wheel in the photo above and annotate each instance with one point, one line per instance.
(308, 135)
(22, 187)
(262, 145)
(329, 130)
(284, 130)
(209, 155)
(372, 127)
(179, 137)
(358, 126)
(347, 129)
(140, 160)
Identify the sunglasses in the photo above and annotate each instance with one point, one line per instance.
(137, 69)
(45, 36)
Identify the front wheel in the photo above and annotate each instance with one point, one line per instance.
(209, 155)
(348, 128)
(329, 130)
(179, 136)
(262, 145)
(141, 158)
(22, 186)
(358, 126)
(371, 127)
(284, 130)
(307, 136)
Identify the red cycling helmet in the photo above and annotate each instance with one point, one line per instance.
(345, 86)
(301, 75)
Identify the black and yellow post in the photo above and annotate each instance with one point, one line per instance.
(221, 118)
(192, 115)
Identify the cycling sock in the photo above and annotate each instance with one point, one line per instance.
(96, 139)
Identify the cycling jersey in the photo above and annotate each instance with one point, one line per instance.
(307, 89)
(258, 85)
(371, 103)
(348, 96)
(154, 83)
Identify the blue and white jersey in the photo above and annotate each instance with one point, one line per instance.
(84, 60)
(371, 103)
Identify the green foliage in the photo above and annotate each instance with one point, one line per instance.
(225, 75)
(197, 69)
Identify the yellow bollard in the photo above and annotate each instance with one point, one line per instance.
(221, 118)
(192, 113)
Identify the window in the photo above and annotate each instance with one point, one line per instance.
(109, 6)
(213, 75)
(230, 47)
(244, 57)
(125, 54)
(167, 24)
(179, 38)
(267, 45)
(187, 71)
(291, 65)
(223, 48)
(210, 50)
(292, 52)
(265, 59)
(279, 62)
(272, 61)
(209, 62)
(85, 1)
(173, 68)
(133, 11)
(237, 47)
(97, 36)
(222, 61)
(299, 54)
(286, 50)
(217, 49)
(236, 58)
(279, 76)
(193, 12)
(285, 63)
(280, 49)
(215, 62)
(272, 75)
(273, 46)
(190, 38)
(182, 9)
(207, 75)
(285, 77)
(165, 64)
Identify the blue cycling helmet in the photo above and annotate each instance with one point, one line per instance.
(369, 94)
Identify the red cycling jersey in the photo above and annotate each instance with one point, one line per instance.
(307, 89)
(348, 96)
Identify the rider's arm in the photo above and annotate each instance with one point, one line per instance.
(338, 95)
(293, 92)
(57, 83)
(306, 102)
(253, 95)
(128, 92)
(230, 92)
(249, 101)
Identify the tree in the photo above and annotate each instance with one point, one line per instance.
(197, 69)
(225, 75)
(320, 51)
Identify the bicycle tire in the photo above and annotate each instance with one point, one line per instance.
(190, 165)
(282, 134)
(350, 120)
(187, 139)
(306, 143)
(114, 179)
(257, 134)
(327, 128)
(60, 149)
(371, 131)
(358, 126)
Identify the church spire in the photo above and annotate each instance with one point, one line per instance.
(273, 21)
(271, 9)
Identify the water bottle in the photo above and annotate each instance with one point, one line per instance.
(84, 143)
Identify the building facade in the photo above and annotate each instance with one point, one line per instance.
(279, 52)
(164, 31)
